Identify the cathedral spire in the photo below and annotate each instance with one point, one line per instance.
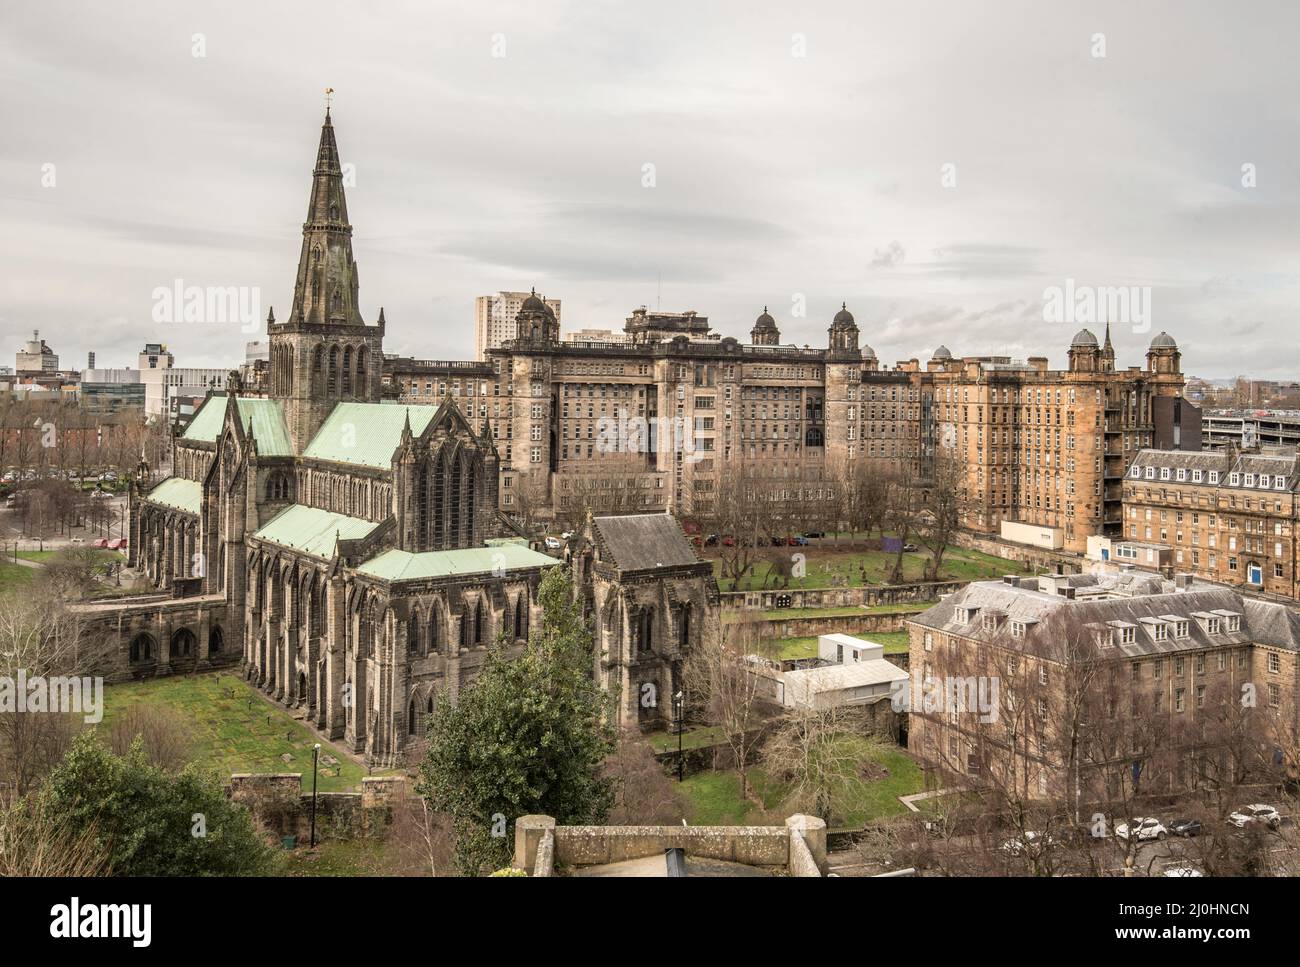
(326, 287)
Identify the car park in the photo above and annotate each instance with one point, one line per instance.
(1142, 829)
(1255, 813)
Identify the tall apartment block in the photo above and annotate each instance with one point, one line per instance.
(494, 318)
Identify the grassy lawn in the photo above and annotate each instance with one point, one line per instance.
(343, 857)
(691, 739)
(895, 643)
(42, 556)
(715, 796)
(14, 575)
(233, 729)
(824, 563)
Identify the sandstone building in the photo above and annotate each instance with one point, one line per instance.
(1103, 687)
(1224, 516)
(660, 421)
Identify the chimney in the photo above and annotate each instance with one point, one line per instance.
(1182, 582)
(1011, 579)
(1066, 592)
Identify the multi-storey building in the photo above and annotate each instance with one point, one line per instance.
(494, 318)
(1226, 517)
(1101, 687)
(662, 420)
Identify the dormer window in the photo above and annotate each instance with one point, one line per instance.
(1250, 480)
(1181, 629)
(1212, 626)
(1214, 476)
(1234, 479)
(1196, 476)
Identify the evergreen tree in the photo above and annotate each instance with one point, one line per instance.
(527, 737)
(150, 822)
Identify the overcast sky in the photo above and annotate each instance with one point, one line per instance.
(776, 175)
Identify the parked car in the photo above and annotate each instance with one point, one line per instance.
(797, 541)
(78, 540)
(1026, 843)
(554, 543)
(711, 540)
(101, 543)
(1256, 813)
(118, 544)
(910, 548)
(1142, 829)
(1181, 870)
(1185, 827)
(728, 541)
(814, 534)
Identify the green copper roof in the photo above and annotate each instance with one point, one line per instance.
(266, 416)
(312, 530)
(405, 566)
(186, 495)
(366, 433)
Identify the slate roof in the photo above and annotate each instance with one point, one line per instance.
(177, 492)
(1262, 622)
(312, 530)
(1270, 465)
(395, 565)
(267, 417)
(636, 542)
(366, 434)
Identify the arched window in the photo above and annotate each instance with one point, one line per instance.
(411, 719)
(347, 371)
(361, 371)
(142, 648)
(332, 386)
(813, 437)
(413, 634)
(521, 615)
(480, 622)
(277, 486)
(317, 366)
(435, 637)
(214, 640)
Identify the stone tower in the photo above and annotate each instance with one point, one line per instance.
(765, 332)
(324, 353)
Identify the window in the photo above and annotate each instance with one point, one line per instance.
(1180, 699)
(1274, 695)
(1274, 663)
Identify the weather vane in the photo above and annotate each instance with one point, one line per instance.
(329, 96)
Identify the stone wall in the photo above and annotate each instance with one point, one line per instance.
(871, 596)
(1032, 558)
(279, 804)
(849, 624)
(762, 846)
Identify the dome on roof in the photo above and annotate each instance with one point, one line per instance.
(764, 321)
(1164, 341)
(943, 352)
(843, 318)
(533, 303)
(868, 352)
(1084, 339)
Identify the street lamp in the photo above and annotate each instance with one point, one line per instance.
(315, 758)
(677, 704)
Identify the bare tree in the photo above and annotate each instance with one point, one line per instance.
(722, 687)
(811, 750)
